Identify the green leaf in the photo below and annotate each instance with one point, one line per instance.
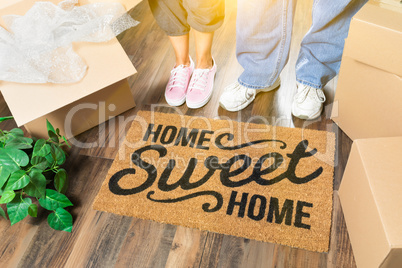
(41, 148)
(5, 118)
(50, 127)
(39, 162)
(4, 174)
(64, 138)
(19, 143)
(17, 132)
(7, 196)
(53, 136)
(33, 210)
(60, 181)
(60, 154)
(13, 159)
(61, 220)
(18, 209)
(37, 184)
(2, 213)
(18, 180)
(54, 200)
(14, 133)
(51, 157)
(2, 190)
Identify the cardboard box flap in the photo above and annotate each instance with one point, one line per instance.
(382, 160)
(128, 4)
(6, 3)
(375, 37)
(107, 64)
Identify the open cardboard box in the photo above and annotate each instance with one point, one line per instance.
(371, 199)
(73, 108)
(369, 92)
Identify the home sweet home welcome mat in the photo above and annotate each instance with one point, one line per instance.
(256, 181)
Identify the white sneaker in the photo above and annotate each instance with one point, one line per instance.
(308, 102)
(236, 97)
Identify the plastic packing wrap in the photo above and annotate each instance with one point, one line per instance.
(37, 47)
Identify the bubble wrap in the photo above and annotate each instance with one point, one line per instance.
(37, 47)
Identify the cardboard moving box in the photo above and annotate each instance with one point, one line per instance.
(368, 98)
(73, 108)
(371, 199)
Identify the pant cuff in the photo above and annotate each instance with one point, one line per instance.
(303, 82)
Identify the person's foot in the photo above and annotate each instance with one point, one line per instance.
(308, 102)
(236, 97)
(200, 87)
(176, 89)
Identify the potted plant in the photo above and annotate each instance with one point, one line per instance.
(31, 175)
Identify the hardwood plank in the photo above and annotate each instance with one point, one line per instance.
(187, 248)
(213, 245)
(147, 244)
(14, 241)
(340, 254)
(100, 241)
(51, 248)
(232, 251)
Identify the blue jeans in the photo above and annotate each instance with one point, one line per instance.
(264, 29)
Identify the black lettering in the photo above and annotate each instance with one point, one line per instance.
(229, 137)
(136, 159)
(184, 181)
(290, 173)
(242, 204)
(287, 210)
(257, 172)
(171, 136)
(300, 214)
(261, 211)
(203, 139)
(150, 132)
(186, 139)
(226, 173)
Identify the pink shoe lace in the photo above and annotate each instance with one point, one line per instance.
(199, 80)
(178, 77)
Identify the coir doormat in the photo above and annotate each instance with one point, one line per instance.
(256, 181)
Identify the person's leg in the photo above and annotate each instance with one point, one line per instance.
(203, 48)
(263, 35)
(322, 47)
(181, 48)
(171, 17)
(264, 29)
(320, 53)
(204, 16)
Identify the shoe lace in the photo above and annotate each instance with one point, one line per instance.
(178, 77)
(315, 93)
(242, 93)
(199, 80)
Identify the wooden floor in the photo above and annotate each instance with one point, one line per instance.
(106, 240)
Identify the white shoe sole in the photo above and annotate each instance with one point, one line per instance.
(176, 103)
(306, 117)
(244, 105)
(199, 104)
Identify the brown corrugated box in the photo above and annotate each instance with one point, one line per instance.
(368, 98)
(73, 108)
(371, 199)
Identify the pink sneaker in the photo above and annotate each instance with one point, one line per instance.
(200, 88)
(176, 89)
